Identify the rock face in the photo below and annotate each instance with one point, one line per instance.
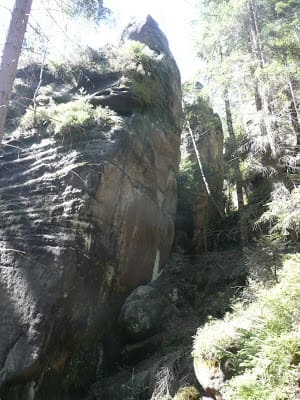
(199, 192)
(87, 214)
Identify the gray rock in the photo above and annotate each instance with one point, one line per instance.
(82, 219)
(148, 32)
(143, 313)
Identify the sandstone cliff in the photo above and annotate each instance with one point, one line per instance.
(88, 201)
(200, 181)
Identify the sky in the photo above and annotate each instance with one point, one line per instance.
(173, 16)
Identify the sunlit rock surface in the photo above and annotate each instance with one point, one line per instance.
(85, 218)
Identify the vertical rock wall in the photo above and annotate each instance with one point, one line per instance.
(200, 199)
(85, 216)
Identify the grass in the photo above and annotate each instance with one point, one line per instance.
(142, 71)
(67, 118)
(258, 345)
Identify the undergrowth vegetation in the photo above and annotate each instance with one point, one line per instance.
(189, 180)
(283, 212)
(66, 118)
(258, 344)
(62, 105)
(141, 68)
(144, 70)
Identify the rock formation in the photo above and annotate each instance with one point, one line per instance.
(142, 313)
(87, 212)
(200, 200)
(210, 377)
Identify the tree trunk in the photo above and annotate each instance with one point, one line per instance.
(262, 90)
(254, 29)
(10, 56)
(257, 96)
(294, 113)
(207, 188)
(237, 171)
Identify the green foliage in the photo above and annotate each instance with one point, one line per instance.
(198, 111)
(187, 393)
(264, 260)
(206, 127)
(144, 70)
(89, 9)
(188, 180)
(33, 119)
(251, 50)
(85, 64)
(258, 344)
(283, 213)
(69, 118)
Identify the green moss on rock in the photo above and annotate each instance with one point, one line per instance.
(187, 393)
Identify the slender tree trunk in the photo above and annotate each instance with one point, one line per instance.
(36, 92)
(257, 96)
(10, 56)
(294, 100)
(207, 188)
(237, 171)
(254, 29)
(294, 113)
(262, 89)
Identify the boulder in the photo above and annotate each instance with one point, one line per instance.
(210, 377)
(142, 314)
